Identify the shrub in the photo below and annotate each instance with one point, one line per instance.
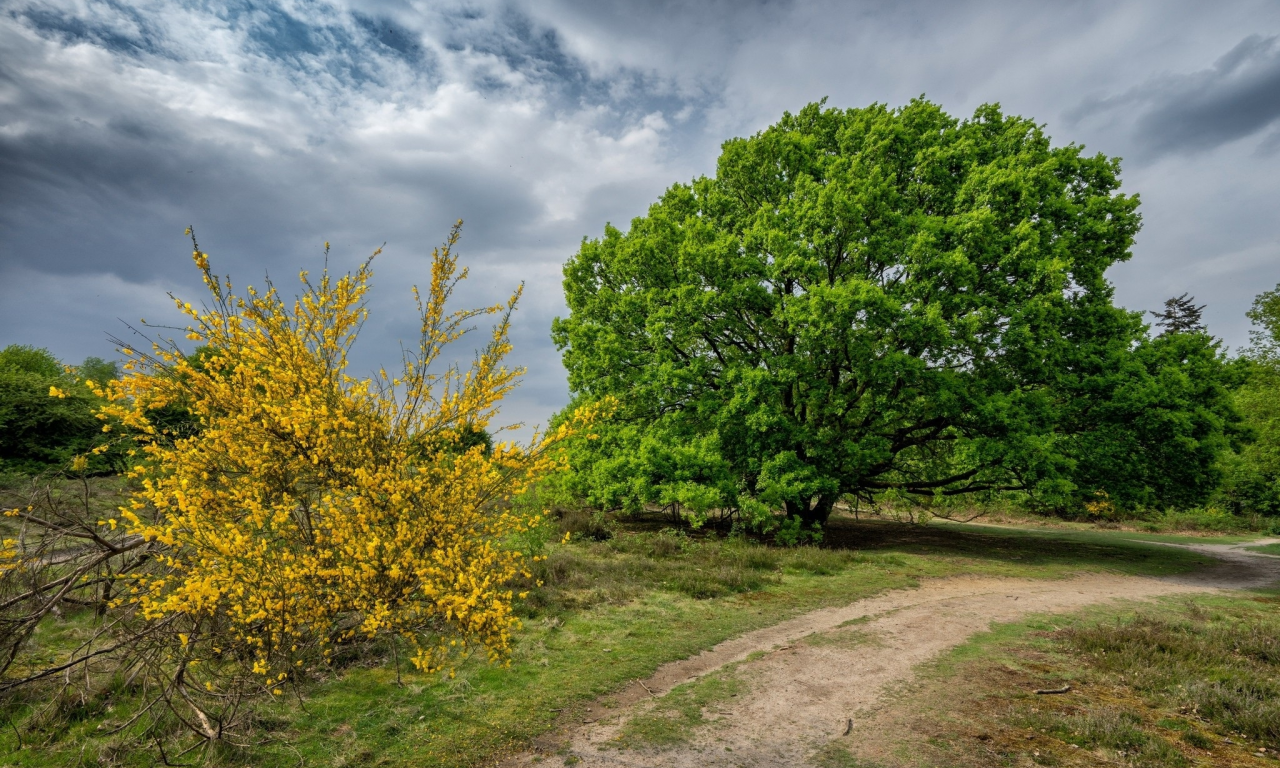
(307, 509)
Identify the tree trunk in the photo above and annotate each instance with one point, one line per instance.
(813, 511)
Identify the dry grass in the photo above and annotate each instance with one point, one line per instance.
(1189, 684)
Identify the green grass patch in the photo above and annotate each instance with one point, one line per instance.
(1266, 549)
(1112, 730)
(1070, 530)
(685, 708)
(841, 637)
(1218, 661)
(836, 755)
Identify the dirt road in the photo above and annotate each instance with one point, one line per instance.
(809, 676)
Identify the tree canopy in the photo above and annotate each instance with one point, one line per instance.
(1265, 335)
(1253, 472)
(38, 431)
(877, 300)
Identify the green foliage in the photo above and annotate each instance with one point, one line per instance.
(37, 430)
(97, 370)
(1180, 315)
(1265, 315)
(874, 301)
(1151, 425)
(792, 532)
(1253, 473)
(28, 359)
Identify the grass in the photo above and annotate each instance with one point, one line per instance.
(682, 710)
(98, 497)
(1267, 549)
(834, 755)
(1187, 681)
(844, 638)
(1057, 528)
(1199, 522)
(1218, 662)
(609, 612)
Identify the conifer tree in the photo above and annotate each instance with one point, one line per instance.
(1180, 315)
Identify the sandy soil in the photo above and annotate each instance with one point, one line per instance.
(803, 694)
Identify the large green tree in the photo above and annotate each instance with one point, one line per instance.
(881, 300)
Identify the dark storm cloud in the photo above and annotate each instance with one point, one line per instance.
(523, 46)
(131, 164)
(272, 130)
(1238, 96)
(532, 47)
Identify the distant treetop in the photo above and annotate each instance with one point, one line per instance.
(29, 359)
(1265, 316)
(1180, 315)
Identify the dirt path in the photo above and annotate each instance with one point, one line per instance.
(809, 676)
(1237, 567)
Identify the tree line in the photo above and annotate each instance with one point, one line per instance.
(37, 431)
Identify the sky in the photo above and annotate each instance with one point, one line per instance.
(273, 127)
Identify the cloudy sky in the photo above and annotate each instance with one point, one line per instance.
(274, 126)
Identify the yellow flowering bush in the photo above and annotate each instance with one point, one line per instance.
(305, 507)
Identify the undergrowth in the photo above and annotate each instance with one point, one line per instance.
(1218, 663)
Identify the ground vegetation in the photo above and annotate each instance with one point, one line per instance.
(598, 613)
(1188, 682)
